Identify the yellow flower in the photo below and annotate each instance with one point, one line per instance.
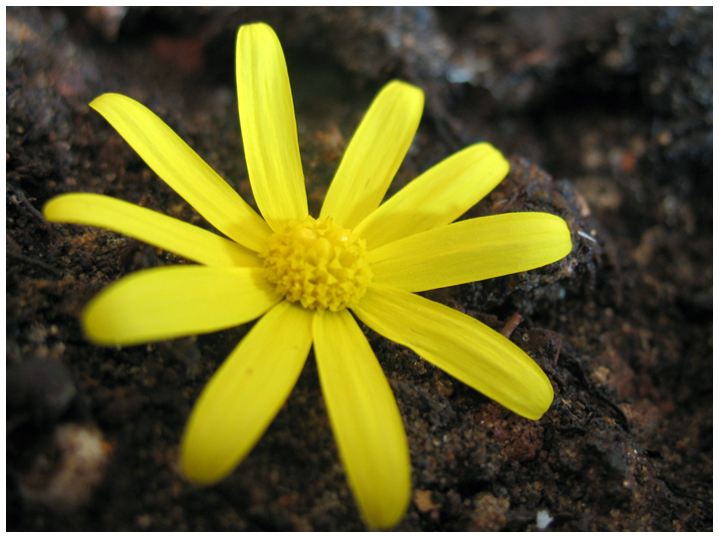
(302, 275)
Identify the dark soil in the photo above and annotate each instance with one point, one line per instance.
(614, 103)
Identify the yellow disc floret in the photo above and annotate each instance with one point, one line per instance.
(317, 263)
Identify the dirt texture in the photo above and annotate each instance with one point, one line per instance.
(607, 114)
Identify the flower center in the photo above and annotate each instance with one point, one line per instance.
(318, 264)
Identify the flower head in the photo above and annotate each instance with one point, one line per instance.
(303, 275)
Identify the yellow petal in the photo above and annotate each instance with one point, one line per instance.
(471, 250)
(365, 419)
(439, 196)
(269, 129)
(167, 302)
(149, 226)
(374, 154)
(245, 394)
(461, 346)
(183, 170)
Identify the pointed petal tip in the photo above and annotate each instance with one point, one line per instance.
(49, 210)
(258, 26)
(398, 85)
(489, 154)
(109, 99)
(97, 101)
(196, 473)
(392, 512)
(386, 522)
(540, 402)
(257, 34)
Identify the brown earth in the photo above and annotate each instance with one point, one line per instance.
(615, 104)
